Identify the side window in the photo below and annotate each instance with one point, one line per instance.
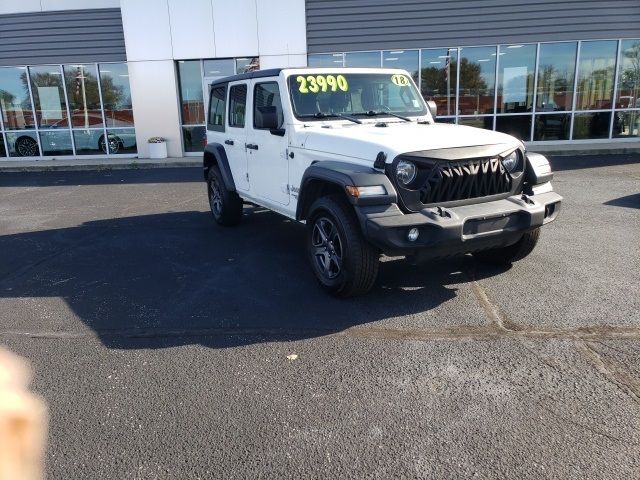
(267, 103)
(217, 104)
(237, 105)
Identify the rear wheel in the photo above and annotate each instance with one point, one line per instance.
(226, 206)
(344, 263)
(512, 253)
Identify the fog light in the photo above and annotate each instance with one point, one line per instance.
(412, 236)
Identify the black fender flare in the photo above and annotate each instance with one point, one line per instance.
(215, 154)
(339, 175)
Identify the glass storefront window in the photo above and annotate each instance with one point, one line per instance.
(3, 150)
(518, 126)
(194, 138)
(116, 94)
(48, 96)
(15, 102)
(517, 66)
(326, 60)
(250, 64)
(405, 59)
(552, 126)
(556, 68)
(595, 75)
(362, 59)
(628, 95)
(81, 82)
(22, 144)
(439, 78)
(485, 122)
(591, 125)
(219, 68)
(89, 141)
(56, 142)
(627, 124)
(477, 80)
(122, 140)
(191, 100)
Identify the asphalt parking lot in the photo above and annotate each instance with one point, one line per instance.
(160, 340)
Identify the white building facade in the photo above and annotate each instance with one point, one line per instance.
(98, 78)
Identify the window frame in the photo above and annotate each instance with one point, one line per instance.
(253, 108)
(246, 96)
(212, 126)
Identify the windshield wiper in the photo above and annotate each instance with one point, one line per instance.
(372, 113)
(329, 115)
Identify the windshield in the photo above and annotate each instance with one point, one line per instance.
(336, 94)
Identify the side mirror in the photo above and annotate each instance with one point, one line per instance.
(277, 131)
(433, 108)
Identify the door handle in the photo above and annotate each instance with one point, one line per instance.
(251, 146)
(228, 142)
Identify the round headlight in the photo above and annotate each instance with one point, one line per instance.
(510, 162)
(405, 171)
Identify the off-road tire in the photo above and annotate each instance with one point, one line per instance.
(359, 259)
(226, 207)
(512, 253)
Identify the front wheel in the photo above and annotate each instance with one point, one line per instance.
(344, 263)
(512, 253)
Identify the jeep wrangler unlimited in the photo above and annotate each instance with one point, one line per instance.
(355, 154)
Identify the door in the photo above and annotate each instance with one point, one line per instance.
(235, 136)
(266, 146)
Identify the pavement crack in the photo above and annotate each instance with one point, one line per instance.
(613, 371)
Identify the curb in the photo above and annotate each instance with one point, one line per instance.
(131, 165)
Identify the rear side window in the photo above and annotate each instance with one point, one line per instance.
(217, 104)
(267, 102)
(237, 105)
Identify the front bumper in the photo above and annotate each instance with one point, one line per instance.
(457, 230)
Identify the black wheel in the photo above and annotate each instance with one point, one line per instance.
(344, 263)
(114, 144)
(226, 206)
(512, 253)
(27, 147)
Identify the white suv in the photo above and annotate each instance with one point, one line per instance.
(355, 154)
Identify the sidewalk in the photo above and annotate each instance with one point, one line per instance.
(96, 164)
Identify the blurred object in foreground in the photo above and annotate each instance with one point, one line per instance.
(23, 422)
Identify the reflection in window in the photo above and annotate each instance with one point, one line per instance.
(518, 126)
(219, 68)
(194, 138)
(3, 150)
(515, 79)
(595, 75)
(250, 64)
(22, 144)
(48, 96)
(56, 142)
(362, 59)
(84, 99)
(439, 78)
(629, 75)
(326, 60)
(89, 141)
(556, 67)
(627, 124)
(477, 80)
(405, 59)
(191, 103)
(122, 140)
(116, 94)
(478, 122)
(15, 102)
(552, 127)
(591, 125)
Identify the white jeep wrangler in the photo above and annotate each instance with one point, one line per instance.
(355, 153)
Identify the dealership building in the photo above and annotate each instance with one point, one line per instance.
(97, 78)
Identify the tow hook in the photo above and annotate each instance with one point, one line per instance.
(526, 199)
(443, 212)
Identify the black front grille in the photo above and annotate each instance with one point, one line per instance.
(446, 181)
